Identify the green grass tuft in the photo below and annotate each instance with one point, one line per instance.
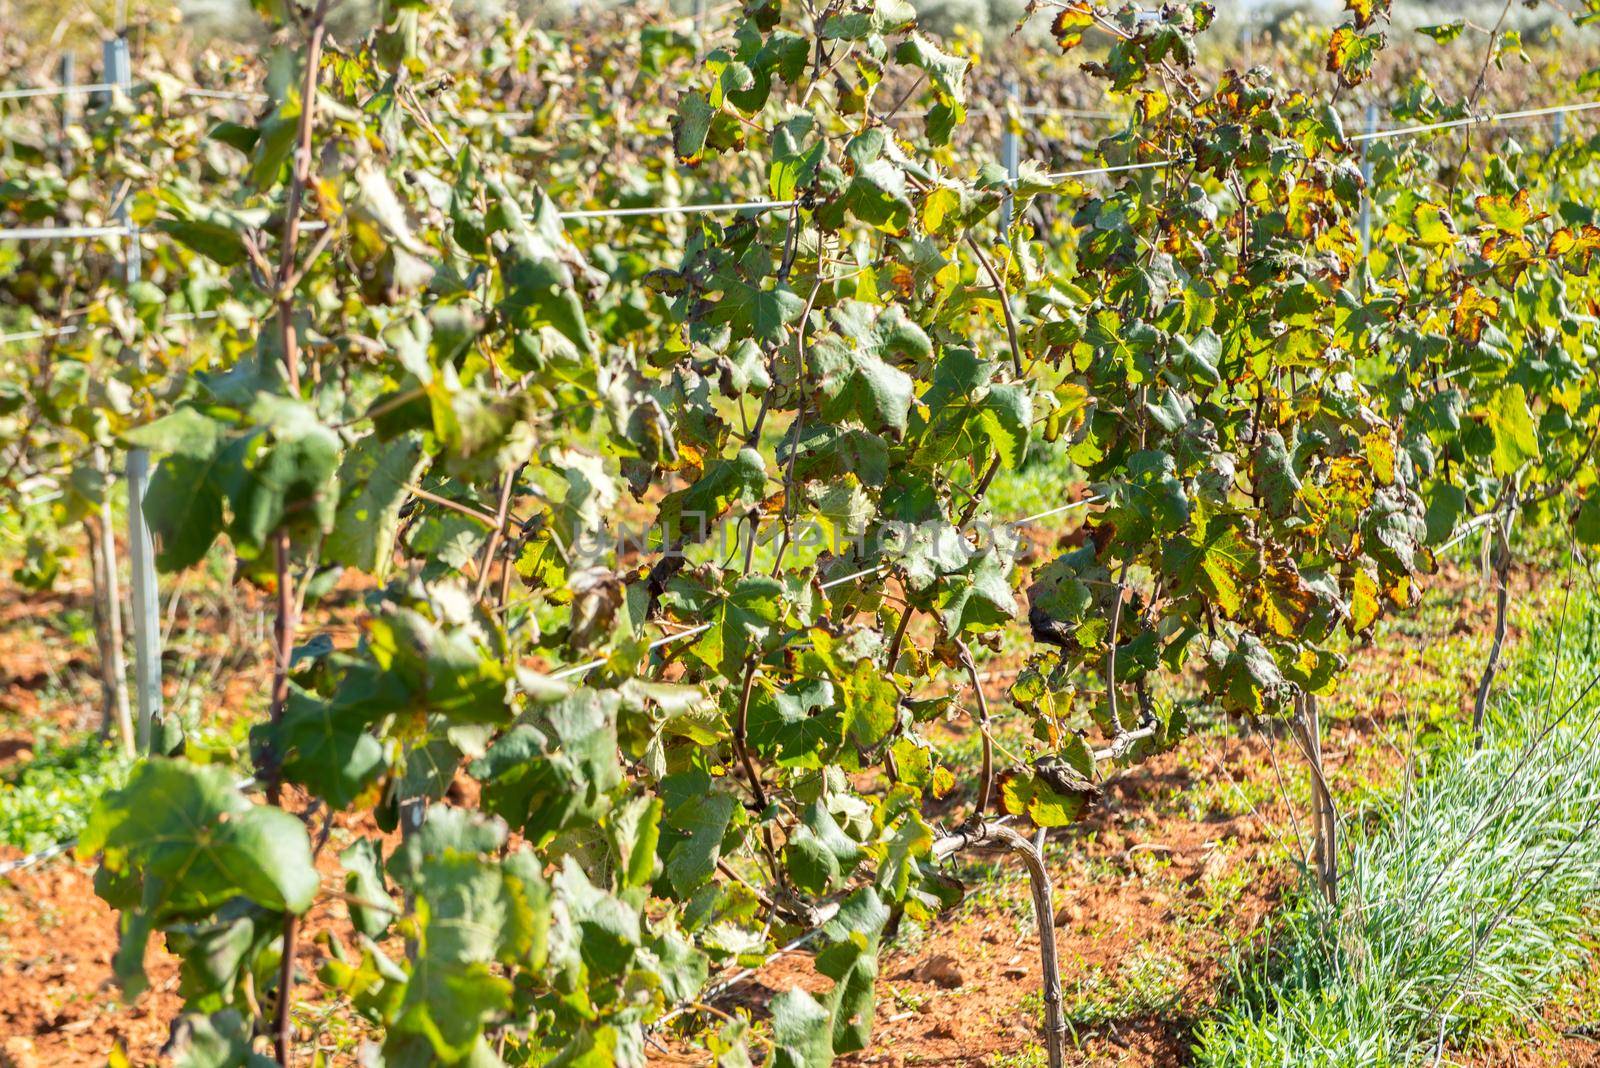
(1464, 906)
(47, 799)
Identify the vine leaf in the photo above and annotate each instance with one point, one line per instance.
(221, 1040)
(688, 514)
(1351, 54)
(800, 1032)
(755, 311)
(1586, 521)
(1053, 795)
(557, 771)
(179, 841)
(1246, 677)
(473, 910)
(819, 851)
(1516, 434)
(373, 476)
(852, 372)
(363, 865)
(740, 620)
(324, 746)
(697, 818)
(184, 502)
(852, 963)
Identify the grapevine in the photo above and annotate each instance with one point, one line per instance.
(664, 487)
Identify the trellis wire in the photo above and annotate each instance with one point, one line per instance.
(1370, 135)
(29, 92)
(678, 209)
(72, 89)
(1478, 120)
(62, 233)
(63, 331)
(27, 233)
(1069, 113)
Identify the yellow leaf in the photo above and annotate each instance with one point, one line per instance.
(1153, 103)
(1070, 24)
(1471, 311)
(1433, 225)
(938, 207)
(1508, 214)
(1380, 454)
(1364, 603)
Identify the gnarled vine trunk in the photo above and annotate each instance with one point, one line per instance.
(999, 836)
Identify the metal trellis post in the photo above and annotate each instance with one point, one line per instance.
(141, 550)
(69, 99)
(1366, 193)
(1009, 155)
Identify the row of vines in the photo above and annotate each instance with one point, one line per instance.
(671, 528)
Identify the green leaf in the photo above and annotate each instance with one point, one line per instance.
(794, 169)
(799, 725)
(609, 929)
(801, 1035)
(1006, 419)
(756, 312)
(1245, 677)
(1515, 430)
(689, 514)
(879, 196)
(186, 830)
(325, 747)
(1061, 599)
(449, 670)
(1586, 522)
(184, 502)
(1049, 800)
(690, 127)
(1446, 505)
(979, 597)
(221, 1040)
(556, 772)
(1444, 32)
(1151, 500)
(739, 622)
(539, 268)
(1273, 471)
(819, 853)
(474, 911)
(280, 474)
(692, 843)
(363, 865)
(852, 963)
(373, 478)
(852, 375)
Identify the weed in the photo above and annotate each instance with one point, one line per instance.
(1465, 905)
(48, 798)
(1029, 1056)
